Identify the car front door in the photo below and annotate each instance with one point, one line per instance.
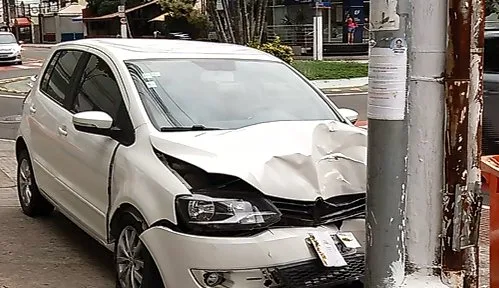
(98, 89)
(48, 122)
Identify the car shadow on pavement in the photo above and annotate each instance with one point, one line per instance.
(50, 252)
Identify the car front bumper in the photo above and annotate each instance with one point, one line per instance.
(275, 258)
(10, 59)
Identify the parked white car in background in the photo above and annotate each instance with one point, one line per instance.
(199, 164)
(10, 50)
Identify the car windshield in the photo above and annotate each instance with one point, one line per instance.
(224, 94)
(7, 39)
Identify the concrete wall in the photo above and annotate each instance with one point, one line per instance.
(48, 25)
(68, 26)
(61, 28)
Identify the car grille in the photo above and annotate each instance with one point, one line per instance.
(313, 274)
(320, 212)
(6, 57)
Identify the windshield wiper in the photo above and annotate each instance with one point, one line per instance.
(196, 127)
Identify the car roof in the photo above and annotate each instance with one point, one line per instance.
(5, 32)
(128, 49)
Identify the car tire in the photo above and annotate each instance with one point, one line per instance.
(32, 202)
(140, 262)
(19, 63)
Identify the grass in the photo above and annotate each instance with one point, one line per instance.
(316, 70)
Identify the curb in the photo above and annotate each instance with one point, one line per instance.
(340, 83)
(11, 80)
(47, 46)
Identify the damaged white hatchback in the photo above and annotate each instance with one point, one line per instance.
(199, 164)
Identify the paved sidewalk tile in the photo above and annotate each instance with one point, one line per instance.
(7, 159)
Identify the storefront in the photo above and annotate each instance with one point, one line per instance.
(292, 21)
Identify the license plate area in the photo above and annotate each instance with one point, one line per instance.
(331, 249)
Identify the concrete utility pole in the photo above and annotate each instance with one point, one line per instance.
(410, 237)
(405, 142)
(123, 20)
(462, 197)
(318, 37)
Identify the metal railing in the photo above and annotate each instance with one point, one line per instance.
(299, 35)
(302, 35)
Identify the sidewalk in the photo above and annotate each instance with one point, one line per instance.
(46, 251)
(30, 45)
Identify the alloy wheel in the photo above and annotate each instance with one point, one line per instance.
(129, 258)
(25, 182)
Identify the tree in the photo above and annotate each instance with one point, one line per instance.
(491, 6)
(103, 7)
(178, 8)
(184, 17)
(239, 21)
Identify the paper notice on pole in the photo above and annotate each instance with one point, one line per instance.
(384, 16)
(387, 84)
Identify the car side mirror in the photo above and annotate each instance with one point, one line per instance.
(21, 42)
(94, 122)
(350, 114)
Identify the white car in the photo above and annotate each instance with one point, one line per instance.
(10, 50)
(199, 164)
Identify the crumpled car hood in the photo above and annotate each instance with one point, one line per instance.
(293, 160)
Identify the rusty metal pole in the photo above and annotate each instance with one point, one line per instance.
(462, 197)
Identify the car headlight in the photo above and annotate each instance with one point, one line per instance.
(200, 212)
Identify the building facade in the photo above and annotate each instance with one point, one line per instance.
(292, 21)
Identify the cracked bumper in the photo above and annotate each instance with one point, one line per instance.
(183, 259)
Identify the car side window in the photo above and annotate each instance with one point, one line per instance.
(98, 89)
(56, 80)
(491, 58)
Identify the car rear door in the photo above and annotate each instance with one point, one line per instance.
(48, 122)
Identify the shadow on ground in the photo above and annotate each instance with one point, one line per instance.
(50, 252)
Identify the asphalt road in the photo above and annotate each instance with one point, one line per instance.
(28, 54)
(10, 106)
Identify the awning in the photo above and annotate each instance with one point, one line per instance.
(161, 18)
(116, 14)
(22, 22)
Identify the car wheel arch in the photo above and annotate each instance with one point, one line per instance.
(20, 146)
(123, 209)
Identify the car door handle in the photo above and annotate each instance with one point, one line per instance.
(62, 131)
(32, 109)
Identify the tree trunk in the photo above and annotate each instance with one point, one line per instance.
(215, 17)
(240, 21)
(247, 25)
(229, 21)
(245, 20)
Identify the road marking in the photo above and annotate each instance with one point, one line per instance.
(12, 96)
(25, 66)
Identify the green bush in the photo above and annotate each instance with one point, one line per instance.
(277, 49)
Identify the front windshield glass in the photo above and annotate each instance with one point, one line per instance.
(7, 39)
(224, 94)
